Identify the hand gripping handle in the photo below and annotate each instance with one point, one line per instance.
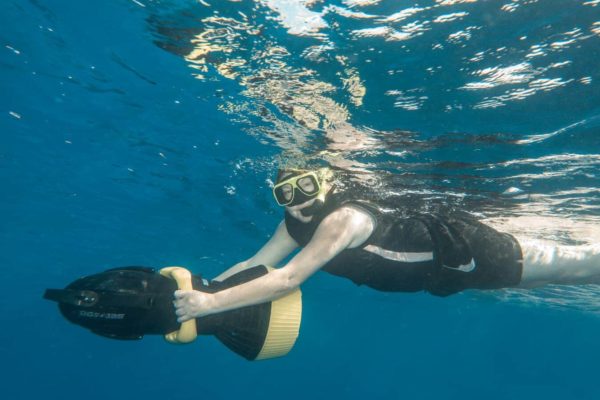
(187, 331)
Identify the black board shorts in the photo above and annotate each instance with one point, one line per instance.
(470, 255)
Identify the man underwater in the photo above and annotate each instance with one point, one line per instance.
(353, 238)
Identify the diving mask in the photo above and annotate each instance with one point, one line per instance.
(297, 189)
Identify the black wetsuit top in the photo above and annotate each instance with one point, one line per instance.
(441, 254)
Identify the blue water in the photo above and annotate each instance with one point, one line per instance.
(147, 132)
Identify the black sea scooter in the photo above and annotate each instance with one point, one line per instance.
(129, 302)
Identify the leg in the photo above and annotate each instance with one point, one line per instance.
(545, 263)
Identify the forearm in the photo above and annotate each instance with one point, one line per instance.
(273, 285)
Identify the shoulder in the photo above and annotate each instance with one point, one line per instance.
(350, 221)
(352, 213)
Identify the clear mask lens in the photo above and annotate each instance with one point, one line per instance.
(308, 185)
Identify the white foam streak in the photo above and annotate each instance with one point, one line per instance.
(553, 159)
(373, 32)
(402, 15)
(296, 17)
(139, 3)
(450, 17)
(349, 14)
(496, 76)
(562, 44)
(361, 3)
(399, 36)
(453, 2)
(544, 136)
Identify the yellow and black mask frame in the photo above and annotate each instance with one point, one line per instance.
(298, 188)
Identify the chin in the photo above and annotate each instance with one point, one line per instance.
(296, 212)
(302, 218)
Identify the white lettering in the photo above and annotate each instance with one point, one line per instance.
(93, 314)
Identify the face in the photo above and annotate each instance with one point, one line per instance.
(298, 190)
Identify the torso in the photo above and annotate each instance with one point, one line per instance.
(395, 257)
(420, 252)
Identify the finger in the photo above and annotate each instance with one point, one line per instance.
(180, 312)
(177, 303)
(183, 319)
(179, 294)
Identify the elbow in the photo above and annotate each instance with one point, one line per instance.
(289, 280)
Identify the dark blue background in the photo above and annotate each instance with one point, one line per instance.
(120, 157)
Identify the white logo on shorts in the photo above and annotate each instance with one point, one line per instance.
(470, 266)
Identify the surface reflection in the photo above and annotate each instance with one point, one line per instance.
(345, 81)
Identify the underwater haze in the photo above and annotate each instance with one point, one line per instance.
(148, 132)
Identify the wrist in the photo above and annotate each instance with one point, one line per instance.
(205, 305)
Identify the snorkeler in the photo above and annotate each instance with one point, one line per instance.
(353, 238)
(256, 310)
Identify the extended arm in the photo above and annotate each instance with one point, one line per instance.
(345, 228)
(276, 249)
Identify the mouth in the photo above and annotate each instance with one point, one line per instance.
(300, 207)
